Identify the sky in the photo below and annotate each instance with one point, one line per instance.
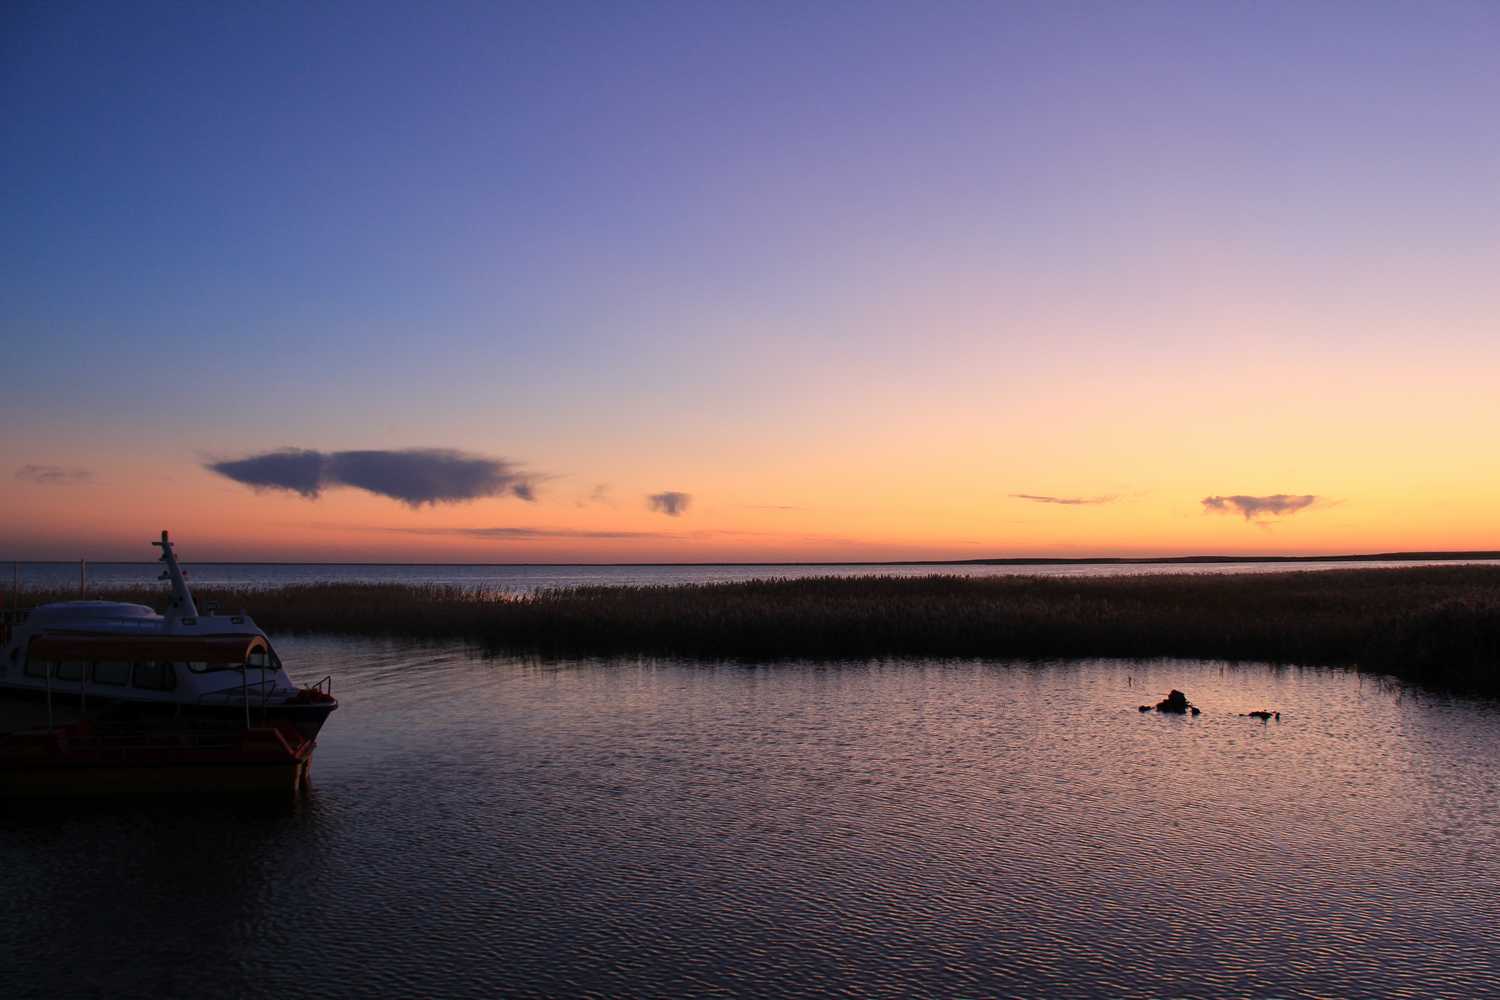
(615, 282)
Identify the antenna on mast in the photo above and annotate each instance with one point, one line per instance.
(182, 605)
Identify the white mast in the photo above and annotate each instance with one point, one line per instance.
(182, 599)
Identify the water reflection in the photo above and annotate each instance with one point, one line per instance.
(482, 826)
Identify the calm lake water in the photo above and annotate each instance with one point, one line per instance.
(527, 578)
(508, 826)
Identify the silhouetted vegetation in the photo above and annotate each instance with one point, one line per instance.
(1438, 625)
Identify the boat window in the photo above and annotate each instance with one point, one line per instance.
(259, 659)
(111, 672)
(69, 670)
(155, 676)
(35, 667)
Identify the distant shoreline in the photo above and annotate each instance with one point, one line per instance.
(1199, 560)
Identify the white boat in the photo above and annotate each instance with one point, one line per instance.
(110, 661)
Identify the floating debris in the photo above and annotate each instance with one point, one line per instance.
(1264, 715)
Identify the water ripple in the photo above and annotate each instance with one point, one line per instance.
(518, 827)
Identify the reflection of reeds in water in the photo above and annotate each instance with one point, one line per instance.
(1433, 624)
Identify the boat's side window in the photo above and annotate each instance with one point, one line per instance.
(200, 667)
(68, 670)
(35, 667)
(155, 676)
(111, 672)
(259, 659)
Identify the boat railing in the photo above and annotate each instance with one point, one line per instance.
(325, 685)
(259, 690)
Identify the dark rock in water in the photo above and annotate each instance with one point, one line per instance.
(1265, 716)
(1176, 702)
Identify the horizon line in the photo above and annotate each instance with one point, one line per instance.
(1414, 556)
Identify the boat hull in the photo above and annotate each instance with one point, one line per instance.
(26, 708)
(75, 762)
(144, 781)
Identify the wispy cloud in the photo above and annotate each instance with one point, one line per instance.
(53, 475)
(600, 495)
(1257, 509)
(771, 506)
(670, 503)
(1065, 501)
(525, 534)
(414, 476)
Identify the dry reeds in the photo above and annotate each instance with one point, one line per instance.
(1434, 624)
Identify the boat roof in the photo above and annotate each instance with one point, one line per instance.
(61, 611)
(176, 649)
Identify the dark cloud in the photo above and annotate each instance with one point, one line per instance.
(414, 476)
(1066, 501)
(670, 502)
(427, 475)
(294, 469)
(53, 475)
(1254, 508)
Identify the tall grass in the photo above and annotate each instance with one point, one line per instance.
(1439, 625)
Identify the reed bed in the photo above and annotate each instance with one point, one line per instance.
(1436, 625)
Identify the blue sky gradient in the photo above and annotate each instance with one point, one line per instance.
(567, 232)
